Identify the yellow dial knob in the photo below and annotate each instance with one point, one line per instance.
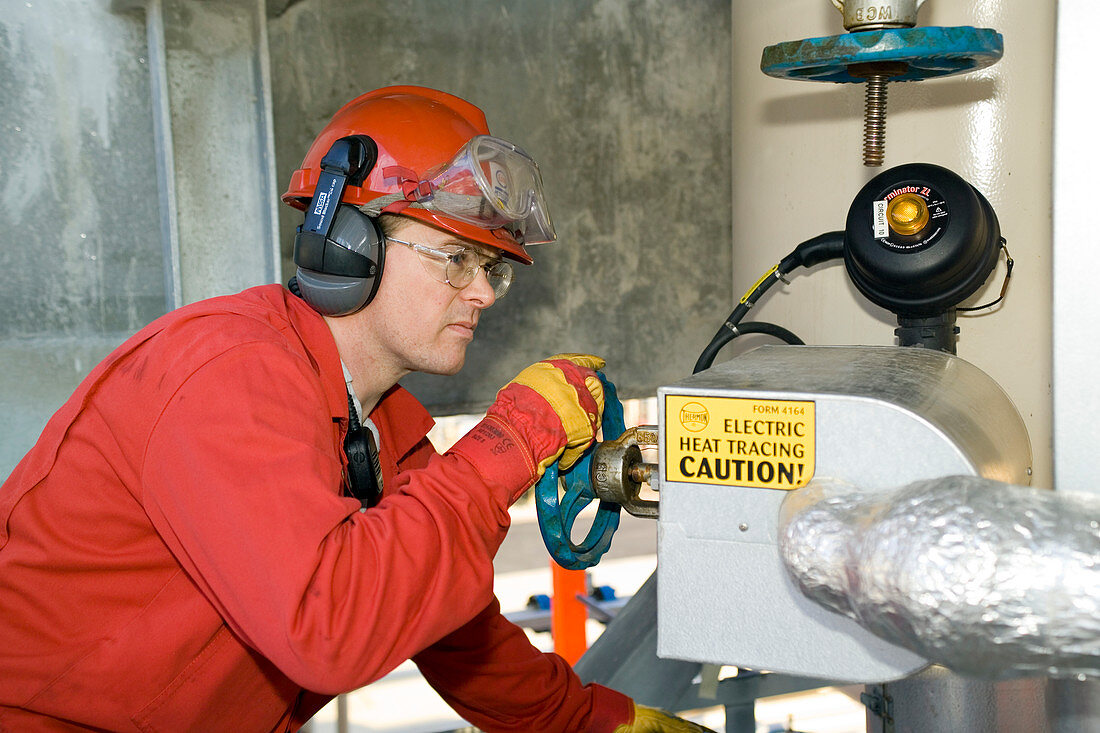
(907, 214)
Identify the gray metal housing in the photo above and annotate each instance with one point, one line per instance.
(885, 417)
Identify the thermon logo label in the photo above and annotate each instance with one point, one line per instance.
(694, 417)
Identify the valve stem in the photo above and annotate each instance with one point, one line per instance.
(641, 473)
(874, 120)
(876, 77)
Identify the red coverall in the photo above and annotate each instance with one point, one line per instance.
(176, 552)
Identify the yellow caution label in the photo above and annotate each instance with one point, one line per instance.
(733, 441)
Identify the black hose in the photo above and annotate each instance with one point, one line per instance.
(814, 251)
(729, 334)
(822, 248)
(769, 329)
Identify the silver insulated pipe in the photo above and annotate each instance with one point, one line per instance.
(988, 579)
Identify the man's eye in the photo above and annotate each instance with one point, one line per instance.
(469, 260)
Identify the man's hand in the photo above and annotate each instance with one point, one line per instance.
(651, 720)
(555, 405)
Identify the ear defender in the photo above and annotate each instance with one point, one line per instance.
(339, 250)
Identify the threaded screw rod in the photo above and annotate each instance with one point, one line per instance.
(874, 120)
(876, 77)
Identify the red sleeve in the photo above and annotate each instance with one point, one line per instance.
(241, 479)
(490, 673)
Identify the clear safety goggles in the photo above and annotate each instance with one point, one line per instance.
(458, 266)
(493, 184)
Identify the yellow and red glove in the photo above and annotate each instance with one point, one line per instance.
(555, 405)
(550, 411)
(652, 720)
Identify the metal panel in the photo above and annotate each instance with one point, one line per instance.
(937, 700)
(624, 658)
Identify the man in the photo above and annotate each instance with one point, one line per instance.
(238, 515)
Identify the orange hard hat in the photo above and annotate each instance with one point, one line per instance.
(435, 157)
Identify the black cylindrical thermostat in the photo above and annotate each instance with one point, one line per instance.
(919, 240)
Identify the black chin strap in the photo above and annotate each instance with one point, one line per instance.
(364, 466)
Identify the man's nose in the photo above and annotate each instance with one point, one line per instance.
(479, 291)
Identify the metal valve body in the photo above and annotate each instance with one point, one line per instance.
(618, 470)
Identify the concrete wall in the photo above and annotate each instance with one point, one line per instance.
(216, 128)
(146, 142)
(80, 248)
(625, 104)
(138, 175)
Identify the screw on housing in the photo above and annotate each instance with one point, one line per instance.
(882, 48)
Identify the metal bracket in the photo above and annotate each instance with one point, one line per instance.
(879, 703)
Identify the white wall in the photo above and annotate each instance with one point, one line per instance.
(797, 166)
(1076, 303)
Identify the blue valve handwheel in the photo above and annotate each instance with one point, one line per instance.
(928, 51)
(556, 516)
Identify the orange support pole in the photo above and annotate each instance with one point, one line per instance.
(567, 614)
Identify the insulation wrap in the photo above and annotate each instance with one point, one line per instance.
(988, 579)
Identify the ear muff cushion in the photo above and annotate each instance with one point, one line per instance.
(333, 293)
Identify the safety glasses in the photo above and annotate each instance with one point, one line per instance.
(457, 266)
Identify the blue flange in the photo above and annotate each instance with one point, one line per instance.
(928, 51)
(556, 517)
